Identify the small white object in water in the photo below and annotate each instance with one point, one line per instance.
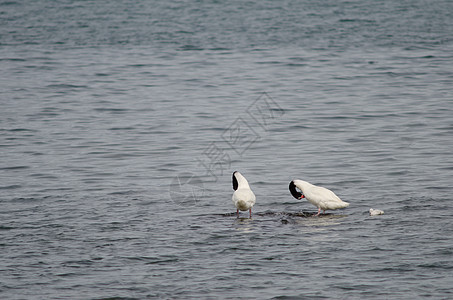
(376, 212)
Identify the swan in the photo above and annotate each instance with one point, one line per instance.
(243, 197)
(319, 196)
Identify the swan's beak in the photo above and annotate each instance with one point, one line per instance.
(301, 197)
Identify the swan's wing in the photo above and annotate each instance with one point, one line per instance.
(322, 193)
(327, 199)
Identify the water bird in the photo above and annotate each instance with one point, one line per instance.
(319, 196)
(376, 212)
(243, 197)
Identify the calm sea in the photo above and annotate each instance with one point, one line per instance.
(121, 123)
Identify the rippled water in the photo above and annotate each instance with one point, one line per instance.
(121, 124)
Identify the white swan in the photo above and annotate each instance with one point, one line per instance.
(319, 196)
(243, 197)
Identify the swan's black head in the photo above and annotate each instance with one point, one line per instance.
(235, 181)
(294, 192)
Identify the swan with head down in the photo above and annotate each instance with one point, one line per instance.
(324, 199)
(243, 197)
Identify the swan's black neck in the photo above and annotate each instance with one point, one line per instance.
(235, 182)
(294, 192)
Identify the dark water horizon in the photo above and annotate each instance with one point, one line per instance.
(122, 122)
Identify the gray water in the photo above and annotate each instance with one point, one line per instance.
(122, 122)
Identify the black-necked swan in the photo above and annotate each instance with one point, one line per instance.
(319, 196)
(243, 197)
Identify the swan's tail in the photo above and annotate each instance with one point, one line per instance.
(343, 204)
(242, 205)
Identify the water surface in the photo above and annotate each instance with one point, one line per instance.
(121, 124)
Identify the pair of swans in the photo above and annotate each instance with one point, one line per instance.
(322, 198)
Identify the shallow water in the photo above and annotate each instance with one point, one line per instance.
(121, 125)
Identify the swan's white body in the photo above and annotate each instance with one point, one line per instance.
(319, 196)
(243, 197)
